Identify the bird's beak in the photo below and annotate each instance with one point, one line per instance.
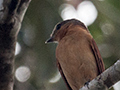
(49, 40)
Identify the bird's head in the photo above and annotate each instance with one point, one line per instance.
(61, 29)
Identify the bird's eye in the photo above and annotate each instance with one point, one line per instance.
(58, 27)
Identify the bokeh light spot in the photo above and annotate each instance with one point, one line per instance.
(29, 35)
(106, 49)
(22, 73)
(18, 48)
(68, 12)
(55, 78)
(107, 28)
(87, 12)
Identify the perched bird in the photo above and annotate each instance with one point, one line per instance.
(77, 55)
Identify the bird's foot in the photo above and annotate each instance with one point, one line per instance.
(87, 84)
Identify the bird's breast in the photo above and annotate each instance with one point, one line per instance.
(77, 61)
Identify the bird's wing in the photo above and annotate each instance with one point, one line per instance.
(98, 57)
(63, 76)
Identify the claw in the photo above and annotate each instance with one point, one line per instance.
(87, 84)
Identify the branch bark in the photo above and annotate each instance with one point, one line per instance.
(105, 80)
(11, 16)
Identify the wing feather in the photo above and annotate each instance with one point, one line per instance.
(98, 57)
(63, 76)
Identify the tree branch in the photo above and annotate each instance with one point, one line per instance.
(11, 16)
(105, 80)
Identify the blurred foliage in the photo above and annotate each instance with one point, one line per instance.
(38, 24)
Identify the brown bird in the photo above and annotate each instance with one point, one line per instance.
(78, 57)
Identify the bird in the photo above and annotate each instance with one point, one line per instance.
(77, 55)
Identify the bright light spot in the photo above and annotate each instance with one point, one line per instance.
(22, 73)
(87, 12)
(68, 12)
(106, 50)
(18, 48)
(117, 86)
(107, 28)
(56, 78)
